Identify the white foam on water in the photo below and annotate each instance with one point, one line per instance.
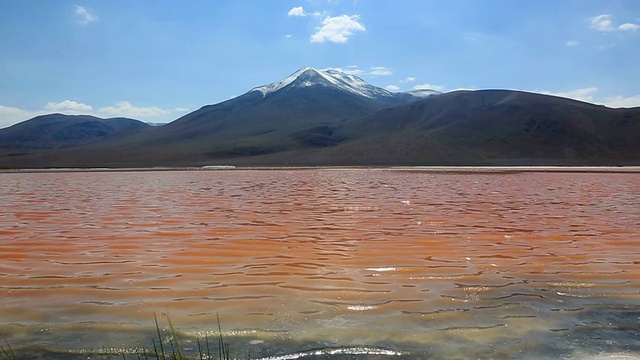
(614, 356)
(361, 307)
(336, 351)
(382, 269)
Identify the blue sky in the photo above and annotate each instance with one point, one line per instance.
(156, 60)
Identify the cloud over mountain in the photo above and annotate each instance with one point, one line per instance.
(428, 87)
(152, 114)
(68, 106)
(337, 29)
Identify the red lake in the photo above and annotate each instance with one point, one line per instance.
(323, 263)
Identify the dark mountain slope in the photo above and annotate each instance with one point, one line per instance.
(298, 112)
(495, 126)
(256, 121)
(64, 131)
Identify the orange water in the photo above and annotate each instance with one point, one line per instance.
(447, 265)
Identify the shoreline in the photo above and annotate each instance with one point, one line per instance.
(426, 169)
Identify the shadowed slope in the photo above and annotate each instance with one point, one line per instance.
(485, 127)
(64, 131)
(499, 125)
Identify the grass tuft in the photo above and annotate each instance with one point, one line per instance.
(204, 349)
(176, 350)
(175, 353)
(155, 318)
(7, 352)
(223, 345)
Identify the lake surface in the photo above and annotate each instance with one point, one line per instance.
(323, 263)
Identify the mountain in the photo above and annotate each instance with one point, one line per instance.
(346, 83)
(302, 110)
(55, 131)
(486, 127)
(325, 117)
(310, 77)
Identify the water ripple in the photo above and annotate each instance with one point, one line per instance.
(337, 257)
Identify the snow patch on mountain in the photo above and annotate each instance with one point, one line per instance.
(356, 85)
(309, 76)
(338, 80)
(273, 87)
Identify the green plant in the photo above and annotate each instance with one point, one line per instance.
(223, 346)
(7, 353)
(204, 350)
(176, 351)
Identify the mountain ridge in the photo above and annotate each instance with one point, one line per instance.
(309, 76)
(275, 117)
(324, 117)
(63, 131)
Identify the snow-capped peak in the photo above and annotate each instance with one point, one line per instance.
(309, 76)
(273, 87)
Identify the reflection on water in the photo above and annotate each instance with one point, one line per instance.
(325, 263)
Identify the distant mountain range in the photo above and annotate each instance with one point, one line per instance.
(326, 117)
(57, 131)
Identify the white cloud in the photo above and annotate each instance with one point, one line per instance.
(337, 29)
(84, 16)
(408, 79)
(288, 36)
(392, 88)
(464, 89)
(571, 43)
(11, 115)
(380, 70)
(583, 94)
(429, 87)
(297, 11)
(619, 101)
(602, 22)
(351, 70)
(68, 107)
(126, 109)
(588, 95)
(354, 71)
(629, 27)
(373, 71)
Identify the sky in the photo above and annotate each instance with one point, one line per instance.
(156, 60)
